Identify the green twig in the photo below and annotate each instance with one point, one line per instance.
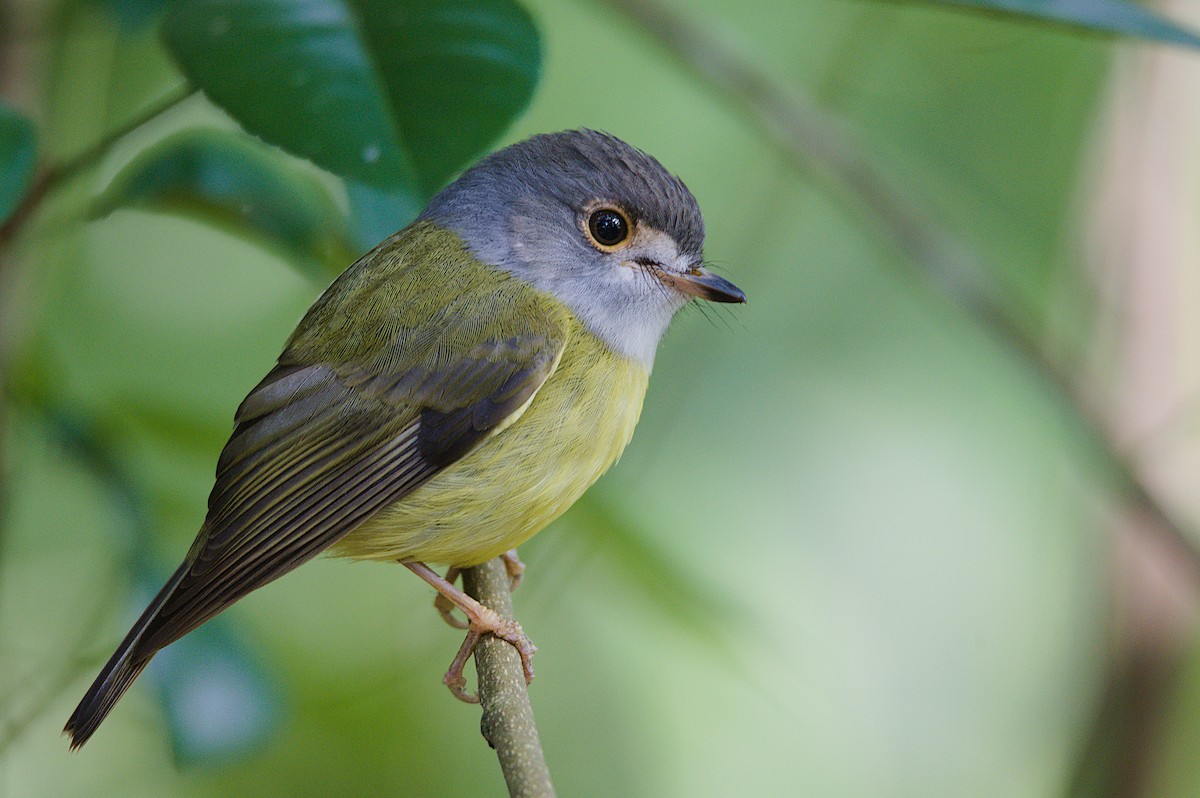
(54, 174)
(818, 144)
(48, 178)
(507, 723)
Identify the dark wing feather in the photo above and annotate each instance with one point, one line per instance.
(312, 459)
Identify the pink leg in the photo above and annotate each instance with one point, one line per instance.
(481, 620)
(444, 606)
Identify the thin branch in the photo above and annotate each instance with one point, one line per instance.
(54, 174)
(44, 182)
(507, 723)
(818, 144)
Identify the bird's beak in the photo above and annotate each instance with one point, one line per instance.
(702, 284)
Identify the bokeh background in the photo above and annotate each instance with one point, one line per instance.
(880, 532)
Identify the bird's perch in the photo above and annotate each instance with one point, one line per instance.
(507, 723)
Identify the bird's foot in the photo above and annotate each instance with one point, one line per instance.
(515, 568)
(480, 621)
(488, 622)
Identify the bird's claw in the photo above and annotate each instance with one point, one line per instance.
(514, 567)
(481, 620)
(488, 621)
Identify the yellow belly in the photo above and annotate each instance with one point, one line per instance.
(523, 477)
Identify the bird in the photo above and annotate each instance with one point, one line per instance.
(451, 393)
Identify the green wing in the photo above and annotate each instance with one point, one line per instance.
(411, 358)
(400, 369)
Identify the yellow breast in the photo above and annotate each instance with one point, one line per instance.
(523, 477)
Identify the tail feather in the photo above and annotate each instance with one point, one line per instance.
(122, 668)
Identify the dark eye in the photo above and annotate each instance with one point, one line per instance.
(608, 227)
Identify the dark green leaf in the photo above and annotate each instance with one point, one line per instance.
(18, 149)
(240, 184)
(1110, 16)
(131, 14)
(390, 92)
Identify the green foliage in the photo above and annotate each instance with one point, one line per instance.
(390, 93)
(1109, 16)
(850, 493)
(131, 14)
(690, 603)
(18, 147)
(242, 185)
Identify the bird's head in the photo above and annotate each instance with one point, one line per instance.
(591, 220)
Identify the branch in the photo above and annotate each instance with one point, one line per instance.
(51, 176)
(819, 145)
(507, 723)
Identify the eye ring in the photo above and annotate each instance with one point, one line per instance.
(608, 228)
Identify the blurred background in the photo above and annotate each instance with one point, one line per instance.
(921, 519)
